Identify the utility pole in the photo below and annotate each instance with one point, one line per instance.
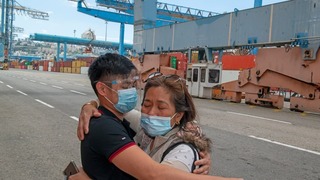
(11, 38)
(2, 30)
(6, 31)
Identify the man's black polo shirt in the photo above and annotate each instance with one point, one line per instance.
(108, 136)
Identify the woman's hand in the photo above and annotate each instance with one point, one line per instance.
(192, 129)
(88, 110)
(204, 163)
(81, 175)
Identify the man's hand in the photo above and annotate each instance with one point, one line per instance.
(204, 162)
(87, 111)
(81, 175)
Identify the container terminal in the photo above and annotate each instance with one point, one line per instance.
(253, 74)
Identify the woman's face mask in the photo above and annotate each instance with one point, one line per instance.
(155, 125)
(157, 112)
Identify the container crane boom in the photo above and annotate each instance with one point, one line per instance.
(8, 7)
(165, 11)
(33, 13)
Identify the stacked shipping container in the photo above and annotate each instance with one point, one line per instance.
(170, 63)
(71, 66)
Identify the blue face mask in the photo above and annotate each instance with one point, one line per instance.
(155, 125)
(127, 100)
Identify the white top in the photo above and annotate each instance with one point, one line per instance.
(181, 157)
(183, 154)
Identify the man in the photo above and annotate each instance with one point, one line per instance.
(112, 78)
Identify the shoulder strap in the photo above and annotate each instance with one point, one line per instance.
(170, 148)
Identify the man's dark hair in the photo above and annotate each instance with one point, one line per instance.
(109, 67)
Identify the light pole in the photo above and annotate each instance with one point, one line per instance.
(74, 35)
(106, 30)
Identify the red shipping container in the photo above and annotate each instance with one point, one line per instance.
(57, 67)
(45, 65)
(182, 65)
(238, 62)
(60, 63)
(67, 64)
(180, 56)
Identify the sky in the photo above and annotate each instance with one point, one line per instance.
(65, 20)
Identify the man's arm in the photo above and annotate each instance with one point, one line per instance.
(138, 164)
(133, 159)
(89, 110)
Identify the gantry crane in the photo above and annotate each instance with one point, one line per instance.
(165, 11)
(124, 13)
(7, 28)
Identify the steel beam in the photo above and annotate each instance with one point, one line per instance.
(77, 41)
(257, 3)
(121, 45)
(114, 17)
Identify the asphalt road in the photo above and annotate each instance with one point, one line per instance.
(38, 123)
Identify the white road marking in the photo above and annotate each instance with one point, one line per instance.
(74, 118)
(1, 82)
(25, 79)
(43, 83)
(22, 93)
(286, 145)
(32, 80)
(44, 103)
(78, 92)
(78, 84)
(258, 117)
(58, 87)
(9, 86)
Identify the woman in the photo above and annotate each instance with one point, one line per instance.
(169, 133)
(165, 122)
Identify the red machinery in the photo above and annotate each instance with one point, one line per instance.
(285, 68)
